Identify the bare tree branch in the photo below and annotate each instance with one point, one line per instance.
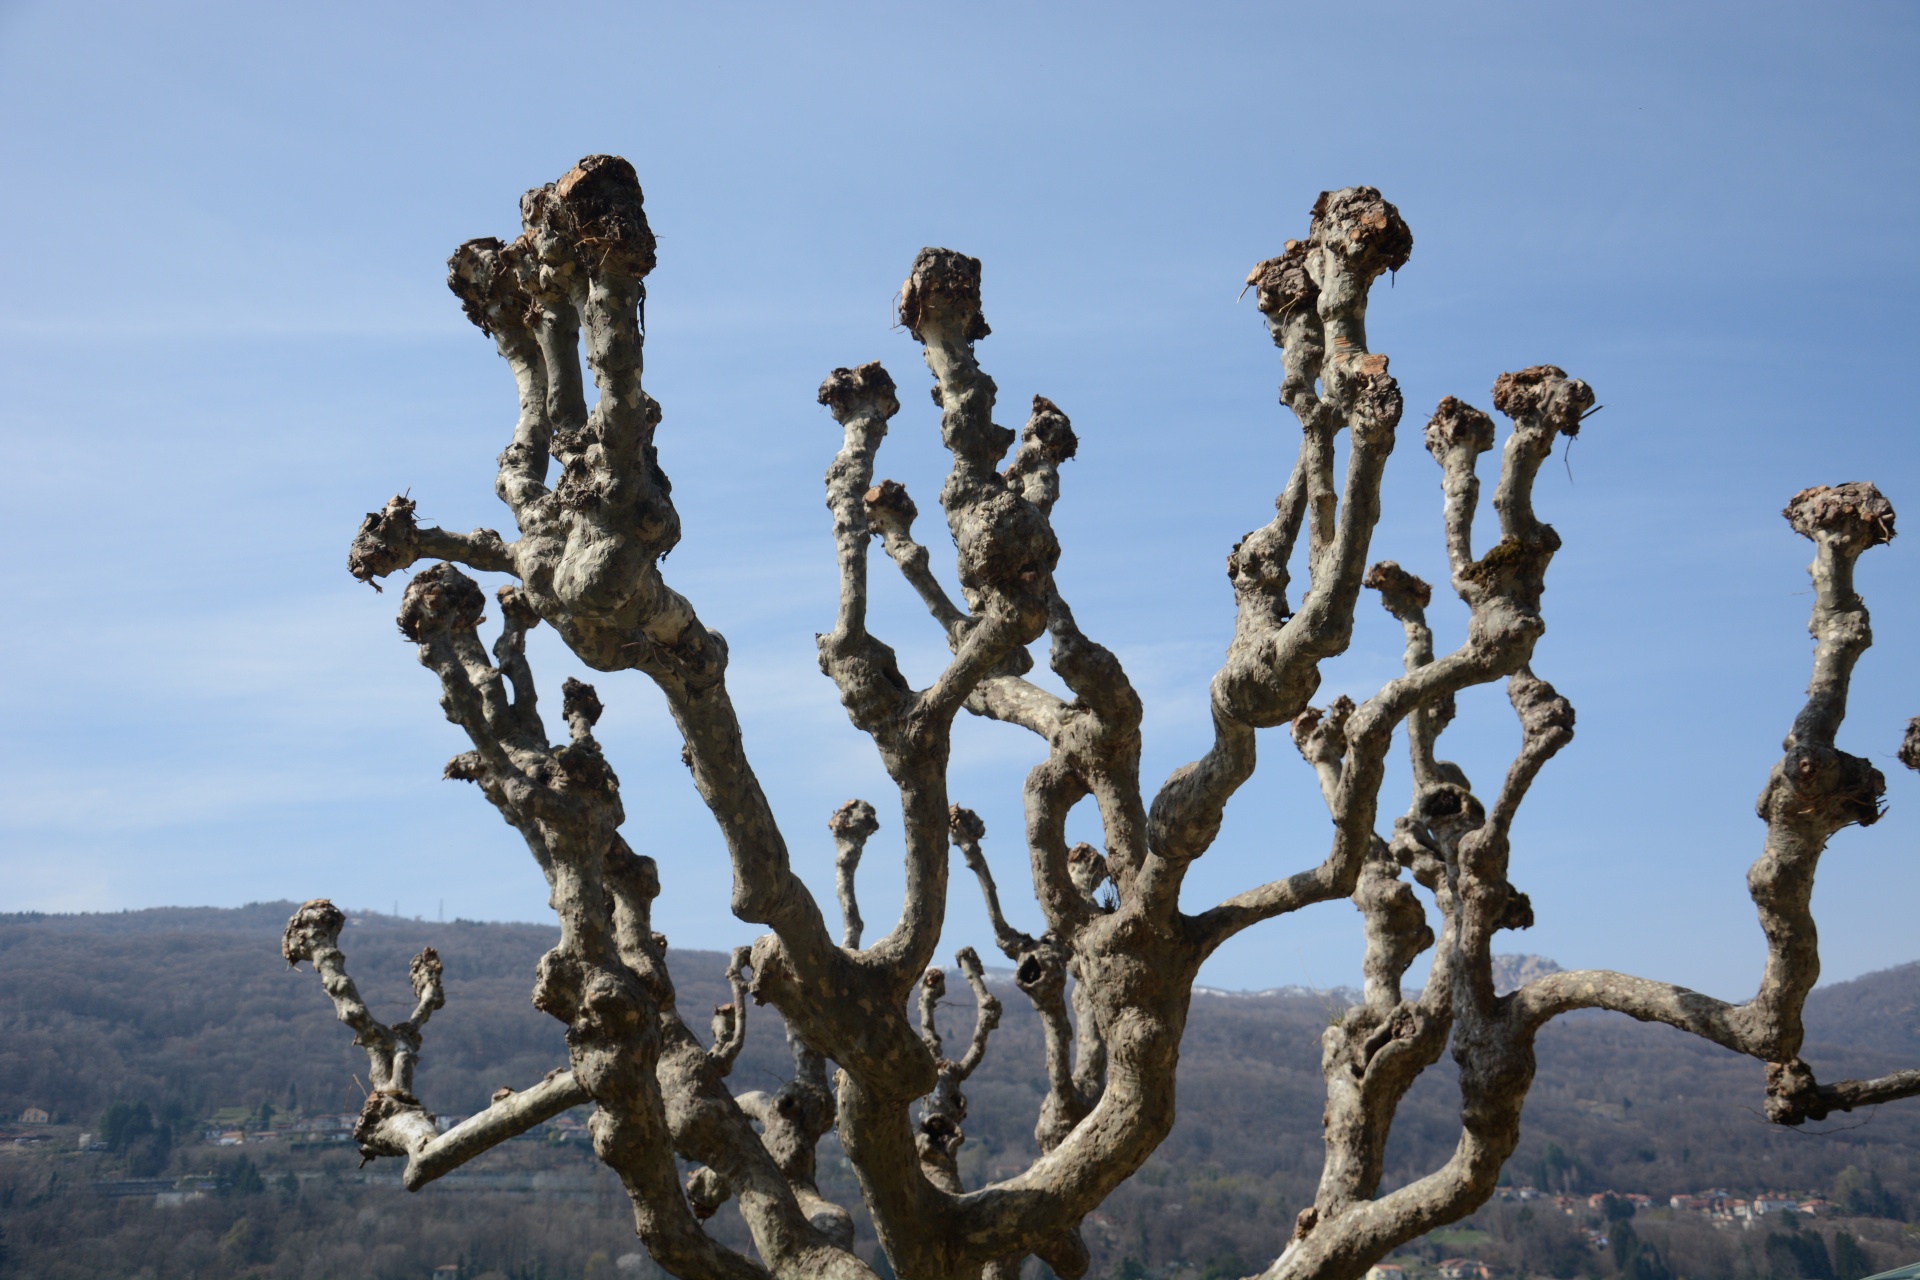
(852, 824)
(1112, 972)
(946, 1107)
(1794, 1097)
(508, 1118)
(656, 1090)
(393, 1122)
(890, 517)
(730, 1019)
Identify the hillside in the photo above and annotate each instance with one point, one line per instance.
(192, 1013)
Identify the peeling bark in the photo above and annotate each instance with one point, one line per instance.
(1112, 972)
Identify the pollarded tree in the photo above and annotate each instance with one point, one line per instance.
(1111, 976)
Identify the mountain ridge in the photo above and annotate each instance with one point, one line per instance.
(192, 1009)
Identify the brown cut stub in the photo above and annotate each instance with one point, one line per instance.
(1454, 423)
(1816, 781)
(424, 973)
(1522, 392)
(601, 201)
(465, 767)
(440, 599)
(579, 699)
(580, 768)
(1856, 513)
(869, 385)
(1437, 805)
(1361, 225)
(943, 287)
(1282, 283)
(516, 604)
(1544, 393)
(539, 208)
(482, 275)
(1909, 753)
(888, 500)
(1517, 913)
(1392, 582)
(854, 820)
(965, 824)
(1050, 432)
(385, 541)
(1793, 1096)
(314, 925)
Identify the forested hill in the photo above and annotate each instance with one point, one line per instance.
(192, 1012)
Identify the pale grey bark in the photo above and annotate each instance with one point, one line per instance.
(1112, 971)
(944, 1110)
(852, 824)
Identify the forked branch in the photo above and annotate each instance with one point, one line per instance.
(394, 1122)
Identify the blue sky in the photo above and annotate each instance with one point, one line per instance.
(224, 335)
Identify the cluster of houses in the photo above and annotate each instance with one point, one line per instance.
(1717, 1204)
(1726, 1208)
(1447, 1269)
(32, 1116)
(237, 1127)
(284, 1128)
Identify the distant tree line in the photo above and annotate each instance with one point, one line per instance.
(1619, 1107)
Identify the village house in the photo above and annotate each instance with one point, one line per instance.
(35, 1115)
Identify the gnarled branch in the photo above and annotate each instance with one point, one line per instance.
(1113, 970)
